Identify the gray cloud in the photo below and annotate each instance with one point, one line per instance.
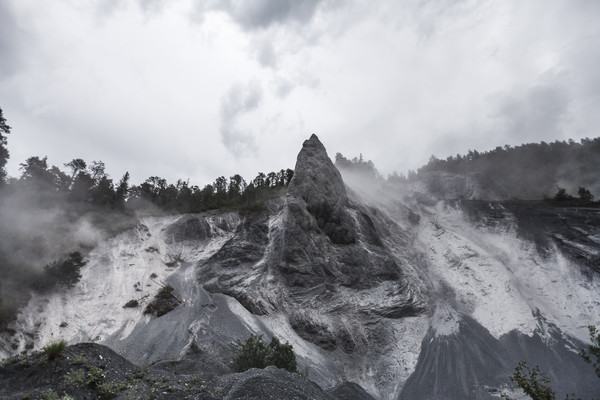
(540, 111)
(434, 17)
(239, 100)
(107, 8)
(257, 16)
(282, 88)
(265, 54)
(584, 59)
(10, 41)
(152, 5)
(260, 14)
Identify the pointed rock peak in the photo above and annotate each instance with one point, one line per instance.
(316, 179)
(319, 184)
(313, 148)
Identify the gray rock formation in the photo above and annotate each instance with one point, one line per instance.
(189, 228)
(317, 188)
(349, 391)
(270, 384)
(309, 255)
(91, 371)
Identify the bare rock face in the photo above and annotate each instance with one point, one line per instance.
(312, 254)
(190, 228)
(317, 186)
(326, 239)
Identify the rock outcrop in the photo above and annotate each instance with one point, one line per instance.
(92, 371)
(317, 187)
(323, 261)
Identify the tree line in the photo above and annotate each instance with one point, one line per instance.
(357, 165)
(529, 171)
(87, 185)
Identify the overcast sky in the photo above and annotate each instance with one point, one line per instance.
(198, 89)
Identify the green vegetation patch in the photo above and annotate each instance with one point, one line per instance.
(255, 353)
(164, 302)
(54, 349)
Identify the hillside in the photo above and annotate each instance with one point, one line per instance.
(390, 289)
(531, 171)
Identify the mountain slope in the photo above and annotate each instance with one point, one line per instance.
(407, 294)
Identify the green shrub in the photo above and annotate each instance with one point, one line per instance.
(281, 355)
(533, 382)
(250, 354)
(110, 390)
(95, 376)
(54, 349)
(49, 395)
(255, 353)
(592, 355)
(75, 377)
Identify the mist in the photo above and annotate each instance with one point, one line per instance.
(36, 231)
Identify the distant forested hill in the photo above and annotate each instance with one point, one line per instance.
(530, 171)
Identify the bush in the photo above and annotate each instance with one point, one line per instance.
(281, 355)
(255, 353)
(562, 195)
(55, 349)
(592, 355)
(164, 302)
(65, 272)
(131, 304)
(585, 194)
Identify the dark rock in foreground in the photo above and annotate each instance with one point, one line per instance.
(93, 371)
(349, 391)
(270, 384)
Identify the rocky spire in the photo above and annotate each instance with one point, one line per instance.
(319, 184)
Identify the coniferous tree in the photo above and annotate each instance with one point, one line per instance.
(585, 194)
(122, 191)
(76, 165)
(65, 272)
(4, 154)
